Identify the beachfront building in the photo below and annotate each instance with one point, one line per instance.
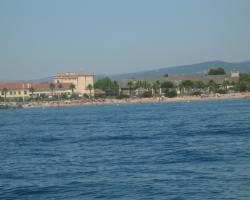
(26, 90)
(81, 82)
(14, 90)
(50, 90)
(125, 87)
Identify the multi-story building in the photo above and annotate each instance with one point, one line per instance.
(80, 80)
(62, 86)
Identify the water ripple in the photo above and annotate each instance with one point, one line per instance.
(198, 150)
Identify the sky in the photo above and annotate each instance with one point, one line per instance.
(39, 38)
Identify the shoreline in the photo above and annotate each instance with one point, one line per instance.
(97, 102)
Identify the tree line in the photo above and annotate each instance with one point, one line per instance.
(169, 88)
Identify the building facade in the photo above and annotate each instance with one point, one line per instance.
(26, 90)
(14, 90)
(81, 81)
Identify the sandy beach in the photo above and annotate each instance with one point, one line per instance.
(136, 100)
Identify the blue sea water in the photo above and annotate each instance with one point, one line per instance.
(197, 150)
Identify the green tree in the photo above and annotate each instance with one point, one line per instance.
(225, 84)
(5, 90)
(90, 88)
(216, 71)
(187, 85)
(142, 84)
(72, 87)
(212, 86)
(171, 94)
(167, 85)
(108, 86)
(146, 94)
(244, 83)
(242, 86)
(32, 90)
(59, 86)
(199, 84)
(52, 87)
(146, 85)
(244, 77)
(138, 84)
(130, 86)
(156, 86)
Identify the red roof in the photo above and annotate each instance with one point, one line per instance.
(40, 86)
(14, 86)
(36, 86)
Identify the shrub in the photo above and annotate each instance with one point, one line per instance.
(216, 71)
(197, 93)
(171, 94)
(241, 86)
(147, 94)
(221, 91)
(122, 96)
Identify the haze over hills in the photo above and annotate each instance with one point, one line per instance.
(198, 68)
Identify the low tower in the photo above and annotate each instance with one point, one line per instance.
(235, 73)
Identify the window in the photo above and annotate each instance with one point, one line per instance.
(25, 92)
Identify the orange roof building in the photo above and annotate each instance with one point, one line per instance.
(27, 89)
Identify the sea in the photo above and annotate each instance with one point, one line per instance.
(189, 150)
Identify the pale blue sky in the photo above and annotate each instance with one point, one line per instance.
(41, 37)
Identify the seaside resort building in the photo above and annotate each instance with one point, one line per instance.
(218, 79)
(62, 85)
(80, 80)
(25, 89)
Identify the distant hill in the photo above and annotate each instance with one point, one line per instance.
(199, 68)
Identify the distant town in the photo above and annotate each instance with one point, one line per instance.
(79, 87)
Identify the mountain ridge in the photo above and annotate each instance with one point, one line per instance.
(190, 69)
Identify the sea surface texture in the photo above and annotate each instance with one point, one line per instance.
(197, 150)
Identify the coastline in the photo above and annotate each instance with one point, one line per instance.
(96, 102)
